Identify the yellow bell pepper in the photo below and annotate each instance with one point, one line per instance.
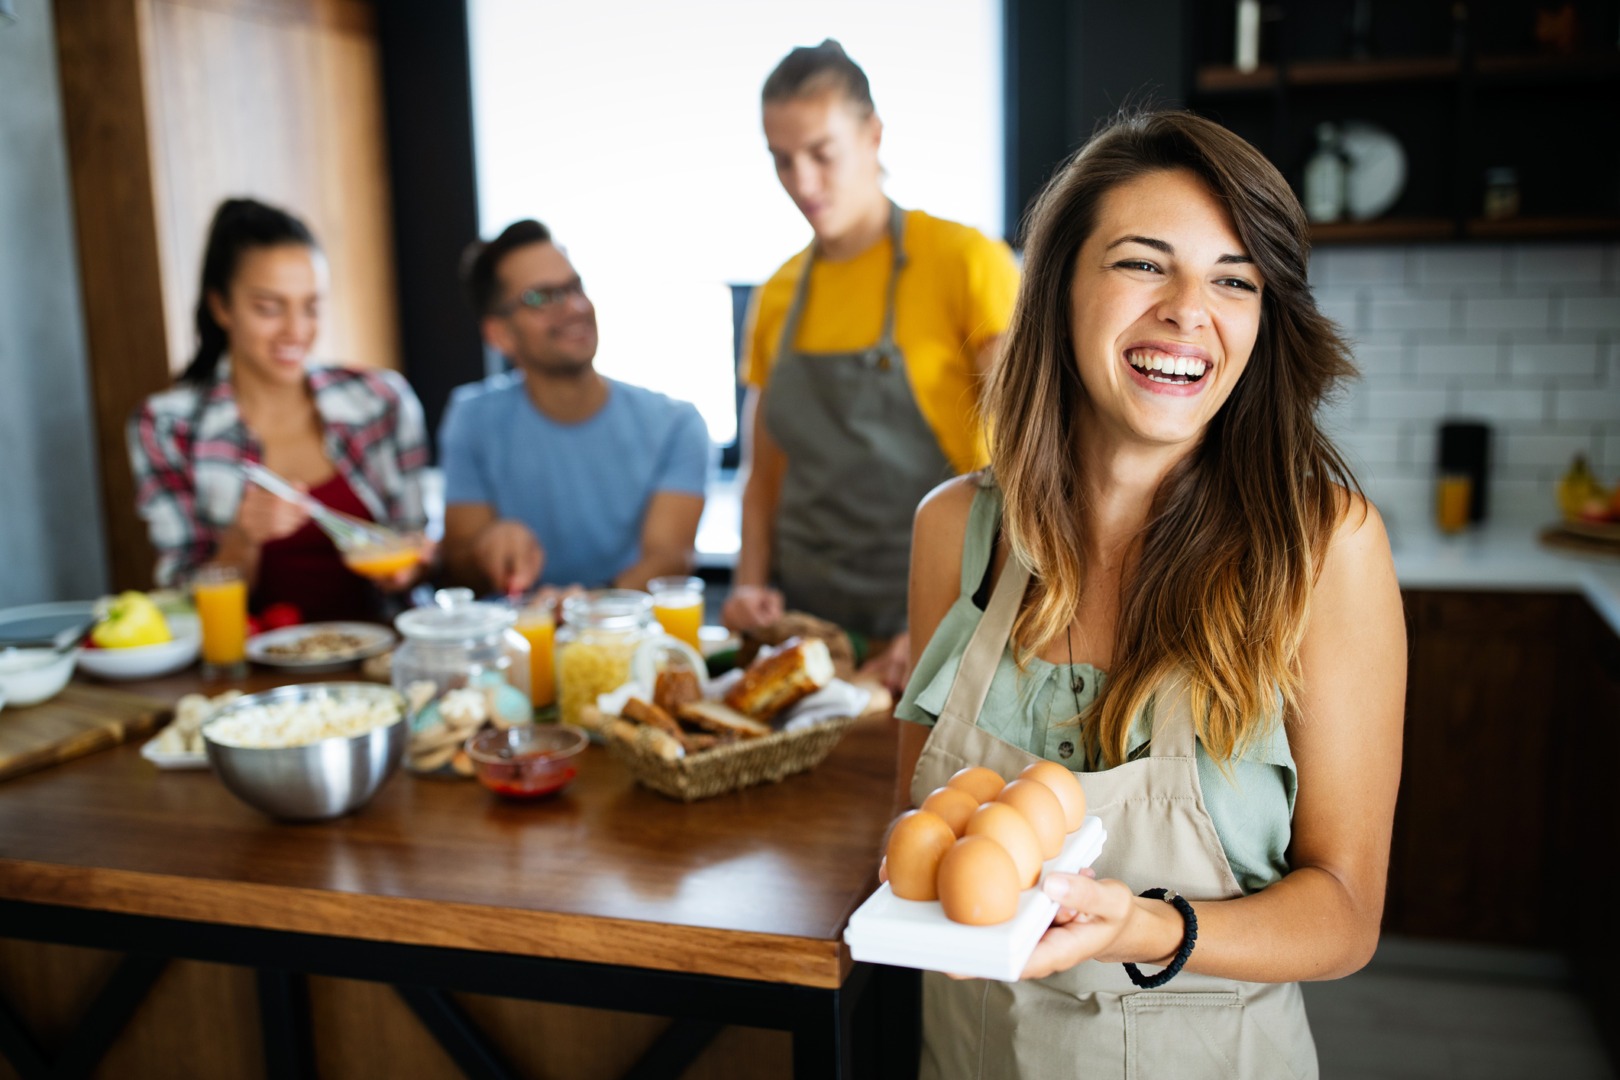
(132, 619)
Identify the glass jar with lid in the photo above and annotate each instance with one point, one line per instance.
(456, 669)
(599, 635)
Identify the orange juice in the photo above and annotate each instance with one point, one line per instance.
(381, 562)
(221, 598)
(678, 607)
(680, 619)
(1453, 499)
(539, 629)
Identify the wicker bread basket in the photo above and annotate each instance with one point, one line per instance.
(735, 765)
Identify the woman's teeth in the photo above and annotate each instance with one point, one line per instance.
(1165, 368)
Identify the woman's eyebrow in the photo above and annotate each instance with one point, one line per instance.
(1161, 245)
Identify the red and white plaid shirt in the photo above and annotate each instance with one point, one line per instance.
(186, 453)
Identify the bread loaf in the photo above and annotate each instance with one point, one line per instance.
(781, 680)
(651, 715)
(721, 719)
(676, 688)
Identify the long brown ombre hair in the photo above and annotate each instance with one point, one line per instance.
(1238, 528)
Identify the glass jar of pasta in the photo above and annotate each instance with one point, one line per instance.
(599, 635)
(461, 666)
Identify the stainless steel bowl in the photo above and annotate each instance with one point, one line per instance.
(322, 780)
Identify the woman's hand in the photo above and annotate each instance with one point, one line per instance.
(263, 517)
(1102, 920)
(401, 580)
(751, 606)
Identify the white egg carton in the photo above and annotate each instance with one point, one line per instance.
(916, 934)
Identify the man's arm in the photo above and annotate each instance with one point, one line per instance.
(668, 537)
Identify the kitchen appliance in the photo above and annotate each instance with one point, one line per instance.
(1465, 451)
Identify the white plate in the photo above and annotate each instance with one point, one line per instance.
(147, 661)
(916, 933)
(164, 759)
(374, 639)
(1377, 171)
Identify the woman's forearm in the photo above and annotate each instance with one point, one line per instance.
(1307, 926)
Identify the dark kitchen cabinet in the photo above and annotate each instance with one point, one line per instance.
(1471, 851)
(1464, 87)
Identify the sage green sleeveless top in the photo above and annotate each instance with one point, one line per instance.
(1251, 800)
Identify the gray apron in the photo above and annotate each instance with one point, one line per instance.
(1091, 1021)
(860, 457)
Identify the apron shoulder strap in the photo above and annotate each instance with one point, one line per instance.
(984, 648)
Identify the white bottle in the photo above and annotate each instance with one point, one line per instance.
(1247, 52)
(1325, 177)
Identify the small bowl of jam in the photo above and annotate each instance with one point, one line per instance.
(526, 762)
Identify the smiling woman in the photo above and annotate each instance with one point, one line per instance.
(1168, 583)
(352, 439)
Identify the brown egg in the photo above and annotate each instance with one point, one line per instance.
(981, 783)
(952, 804)
(1007, 827)
(1041, 809)
(917, 843)
(978, 883)
(1065, 785)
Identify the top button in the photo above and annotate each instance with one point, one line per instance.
(1065, 749)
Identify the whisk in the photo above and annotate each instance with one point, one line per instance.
(347, 532)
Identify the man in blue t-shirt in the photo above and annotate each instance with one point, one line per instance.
(555, 474)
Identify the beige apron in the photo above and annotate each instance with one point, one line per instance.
(1091, 1021)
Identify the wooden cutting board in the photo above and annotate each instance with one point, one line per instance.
(80, 720)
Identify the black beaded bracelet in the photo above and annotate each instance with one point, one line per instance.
(1188, 940)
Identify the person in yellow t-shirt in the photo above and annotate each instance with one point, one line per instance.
(864, 357)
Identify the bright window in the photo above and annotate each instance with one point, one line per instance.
(633, 131)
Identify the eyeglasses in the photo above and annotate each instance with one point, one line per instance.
(545, 299)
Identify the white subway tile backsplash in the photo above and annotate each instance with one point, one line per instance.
(1607, 460)
(1343, 308)
(1406, 403)
(1373, 444)
(1532, 312)
(1590, 312)
(1479, 357)
(1543, 449)
(1601, 405)
(1576, 359)
(1461, 266)
(1502, 404)
(1374, 360)
(1360, 266)
(1397, 313)
(1522, 501)
(1526, 338)
(1536, 264)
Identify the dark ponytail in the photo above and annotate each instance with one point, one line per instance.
(238, 225)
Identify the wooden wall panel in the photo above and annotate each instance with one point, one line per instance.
(172, 105)
(282, 102)
(99, 64)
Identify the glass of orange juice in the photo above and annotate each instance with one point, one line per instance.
(220, 593)
(537, 623)
(678, 607)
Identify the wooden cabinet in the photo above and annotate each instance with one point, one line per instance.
(1465, 88)
(1482, 711)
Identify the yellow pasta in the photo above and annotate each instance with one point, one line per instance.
(587, 668)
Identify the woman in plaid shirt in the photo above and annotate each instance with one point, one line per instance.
(354, 439)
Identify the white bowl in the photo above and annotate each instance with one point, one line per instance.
(30, 676)
(147, 661)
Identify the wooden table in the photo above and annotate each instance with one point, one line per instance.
(729, 910)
